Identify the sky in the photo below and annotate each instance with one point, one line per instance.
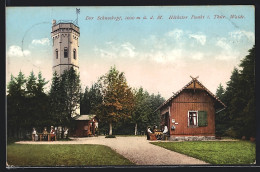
(158, 53)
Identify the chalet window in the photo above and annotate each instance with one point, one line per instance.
(65, 52)
(57, 54)
(74, 54)
(203, 121)
(197, 118)
(193, 118)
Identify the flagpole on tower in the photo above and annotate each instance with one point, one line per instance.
(77, 12)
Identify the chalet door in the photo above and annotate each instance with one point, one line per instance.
(167, 120)
(85, 132)
(93, 128)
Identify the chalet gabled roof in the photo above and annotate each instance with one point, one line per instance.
(193, 84)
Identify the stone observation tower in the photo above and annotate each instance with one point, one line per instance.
(65, 37)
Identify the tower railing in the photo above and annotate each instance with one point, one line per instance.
(59, 24)
(67, 21)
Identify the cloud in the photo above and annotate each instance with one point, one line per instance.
(227, 52)
(38, 62)
(104, 53)
(16, 51)
(234, 45)
(164, 57)
(199, 38)
(222, 43)
(176, 46)
(226, 57)
(240, 34)
(176, 34)
(197, 56)
(116, 50)
(43, 41)
(128, 49)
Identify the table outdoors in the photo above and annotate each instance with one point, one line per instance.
(158, 133)
(48, 134)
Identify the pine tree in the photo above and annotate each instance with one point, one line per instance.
(239, 98)
(142, 110)
(90, 100)
(73, 91)
(31, 85)
(11, 86)
(41, 83)
(85, 102)
(220, 92)
(155, 101)
(16, 108)
(42, 110)
(65, 96)
(221, 122)
(247, 77)
(55, 99)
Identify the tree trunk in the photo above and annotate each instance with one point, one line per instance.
(110, 128)
(135, 128)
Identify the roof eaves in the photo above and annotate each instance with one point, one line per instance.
(177, 93)
(172, 97)
(211, 93)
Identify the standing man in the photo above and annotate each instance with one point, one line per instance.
(52, 133)
(45, 134)
(148, 132)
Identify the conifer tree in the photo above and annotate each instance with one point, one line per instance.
(16, 108)
(239, 97)
(31, 85)
(65, 96)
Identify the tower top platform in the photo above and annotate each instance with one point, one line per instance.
(64, 24)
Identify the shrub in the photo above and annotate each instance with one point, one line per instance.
(11, 140)
(110, 136)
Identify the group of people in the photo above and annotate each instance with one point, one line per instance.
(159, 134)
(54, 133)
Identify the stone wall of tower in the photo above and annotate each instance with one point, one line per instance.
(65, 36)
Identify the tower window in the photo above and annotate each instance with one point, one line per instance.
(74, 54)
(65, 52)
(57, 54)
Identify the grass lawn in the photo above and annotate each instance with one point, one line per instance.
(215, 152)
(63, 155)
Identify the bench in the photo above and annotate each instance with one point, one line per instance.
(48, 135)
(152, 137)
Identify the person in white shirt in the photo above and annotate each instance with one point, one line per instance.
(149, 130)
(35, 135)
(66, 132)
(148, 133)
(165, 130)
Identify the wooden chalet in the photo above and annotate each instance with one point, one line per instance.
(86, 125)
(190, 112)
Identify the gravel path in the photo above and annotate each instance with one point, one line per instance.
(136, 149)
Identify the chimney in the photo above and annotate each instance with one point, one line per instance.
(53, 22)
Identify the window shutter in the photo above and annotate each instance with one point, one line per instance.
(203, 120)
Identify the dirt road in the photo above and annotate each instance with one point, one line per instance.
(136, 149)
